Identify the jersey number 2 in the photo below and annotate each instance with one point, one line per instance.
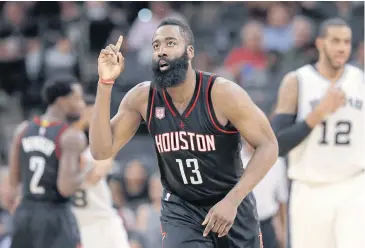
(36, 164)
(189, 163)
(342, 132)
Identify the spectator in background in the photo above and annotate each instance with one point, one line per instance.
(303, 51)
(130, 188)
(278, 33)
(100, 24)
(61, 59)
(205, 62)
(271, 198)
(69, 16)
(136, 240)
(244, 61)
(359, 56)
(148, 215)
(12, 47)
(257, 10)
(31, 95)
(141, 32)
(33, 57)
(254, 69)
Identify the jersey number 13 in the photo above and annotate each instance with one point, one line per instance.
(194, 165)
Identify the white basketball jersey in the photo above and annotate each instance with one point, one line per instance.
(95, 202)
(334, 150)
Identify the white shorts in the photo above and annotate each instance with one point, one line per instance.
(328, 216)
(107, 233)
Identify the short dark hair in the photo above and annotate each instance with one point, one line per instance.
(58, 87)
(337, 22)
(185, 29)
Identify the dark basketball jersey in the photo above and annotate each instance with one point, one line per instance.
(199, 159)
(39, 160)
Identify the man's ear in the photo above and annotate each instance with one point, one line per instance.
(319, 43)
(191, 51)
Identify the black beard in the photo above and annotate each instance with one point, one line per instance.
(174, 75)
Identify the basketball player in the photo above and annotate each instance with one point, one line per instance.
(196, 119)
(100, 225)
(320, 122)
(45, 158)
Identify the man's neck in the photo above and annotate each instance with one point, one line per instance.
(185, 90)
(328, 71)
(54, 113)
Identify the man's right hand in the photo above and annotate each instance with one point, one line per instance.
(333, 100)
(110, 63)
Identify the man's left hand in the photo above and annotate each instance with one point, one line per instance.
(220, 218)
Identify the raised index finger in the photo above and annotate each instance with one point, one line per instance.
(119, 43)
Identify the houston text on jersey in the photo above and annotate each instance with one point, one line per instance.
(175, 141)
(38, 143)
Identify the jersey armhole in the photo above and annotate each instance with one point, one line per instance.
(150, 105)
(58, 138)
(228, 128)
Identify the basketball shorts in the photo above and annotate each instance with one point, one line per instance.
(44, 225)
(107, 233)
(181, 224)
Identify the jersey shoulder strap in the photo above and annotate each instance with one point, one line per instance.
(208, 81)
(151, 103)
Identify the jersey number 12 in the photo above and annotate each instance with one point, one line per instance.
(36, 164)
(342, 132)
(190, 163)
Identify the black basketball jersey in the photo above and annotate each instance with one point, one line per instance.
(199, 159)
(39, 160)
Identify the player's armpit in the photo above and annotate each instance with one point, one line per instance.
(70, 176)
(254, 127)
(288, 95)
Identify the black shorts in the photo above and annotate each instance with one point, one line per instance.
(45, 225)
(181, 224)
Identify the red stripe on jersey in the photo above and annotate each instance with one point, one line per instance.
(151, 107)
(168, 104)
(210, 112)
(197, 95)
(45, 123)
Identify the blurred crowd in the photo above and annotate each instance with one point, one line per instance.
(252, 43)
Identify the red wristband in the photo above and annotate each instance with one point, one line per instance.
(106, 81)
